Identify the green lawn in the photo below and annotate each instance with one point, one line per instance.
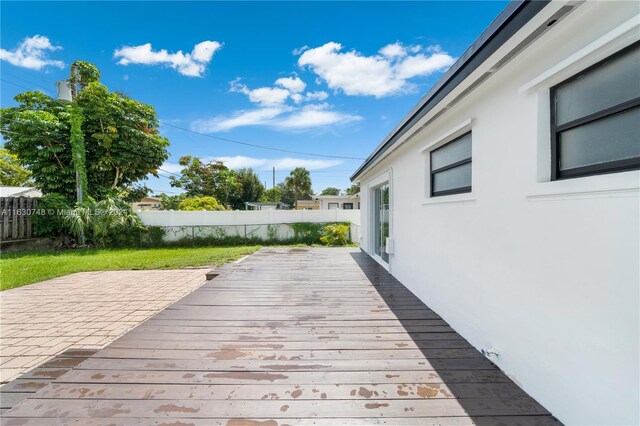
(22, 268)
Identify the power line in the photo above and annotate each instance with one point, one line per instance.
(167, 171)
(260, 146)
(26, 81)
(16, 84)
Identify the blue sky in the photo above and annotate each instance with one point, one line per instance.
(328, 78)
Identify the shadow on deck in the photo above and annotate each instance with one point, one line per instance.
(449, 356)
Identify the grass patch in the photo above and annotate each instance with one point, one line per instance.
(22, 268)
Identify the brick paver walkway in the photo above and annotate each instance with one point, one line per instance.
(82, 310)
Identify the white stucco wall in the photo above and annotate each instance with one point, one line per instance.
(325, 200)
(548, 273)
(244, 222)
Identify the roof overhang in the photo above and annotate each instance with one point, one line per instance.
(511, 20)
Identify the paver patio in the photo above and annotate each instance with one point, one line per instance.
(288, 337)
(82, 310)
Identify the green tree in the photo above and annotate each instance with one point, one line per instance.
(210, 179)
(297, 186)
(353, 189)
(330, 191)
(272, 195)
(200, 203)
(11, 172)
(171, 202)
(121, 139)
(134, 193)
(251, 189)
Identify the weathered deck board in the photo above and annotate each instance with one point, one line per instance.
(289, 336)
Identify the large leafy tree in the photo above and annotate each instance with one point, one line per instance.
(330, 191)
(121, 139)
(213, 179)
(11, 171)
(251, 189)
(207, 179)
(297, 186)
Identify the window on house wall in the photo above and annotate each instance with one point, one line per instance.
(595, 116)
(347, 206)
(333, 206)
(451, 167)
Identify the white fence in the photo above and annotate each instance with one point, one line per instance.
(253, 223)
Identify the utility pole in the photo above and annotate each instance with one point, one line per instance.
(66, 88)
(274, 177)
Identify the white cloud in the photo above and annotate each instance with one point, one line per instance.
(273, 110)
(31, 53)
(281, 117)
(203, 52)
(314, 116)
(394, 50)
(189, 64)
(299, 50)
(266, 96)
(383, 74)
(423, 65)
(309, 96)
(286, 87)
(256, 117)
(317, 96)
(293, 84)
(239, 162)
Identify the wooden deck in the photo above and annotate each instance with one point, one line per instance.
(288, 337)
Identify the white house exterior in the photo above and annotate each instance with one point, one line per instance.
(338, 202)
(522, 248)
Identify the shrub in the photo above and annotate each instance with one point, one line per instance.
(336, 235)
(110, 222)
(200, 203)
(153, 236)
(51, 222)
(307, 233)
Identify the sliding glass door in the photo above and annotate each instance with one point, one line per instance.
(381, 220)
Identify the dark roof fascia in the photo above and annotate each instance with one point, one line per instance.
(511, 20)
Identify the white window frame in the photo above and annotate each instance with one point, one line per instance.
(622, 184)
(450, 135)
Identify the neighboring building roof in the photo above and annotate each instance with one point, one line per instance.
(306, 202)
(511, 19)
(19, 191)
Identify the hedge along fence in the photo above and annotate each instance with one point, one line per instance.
(240, 227)
(250, 234)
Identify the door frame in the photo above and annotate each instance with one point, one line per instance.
(384, 178)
